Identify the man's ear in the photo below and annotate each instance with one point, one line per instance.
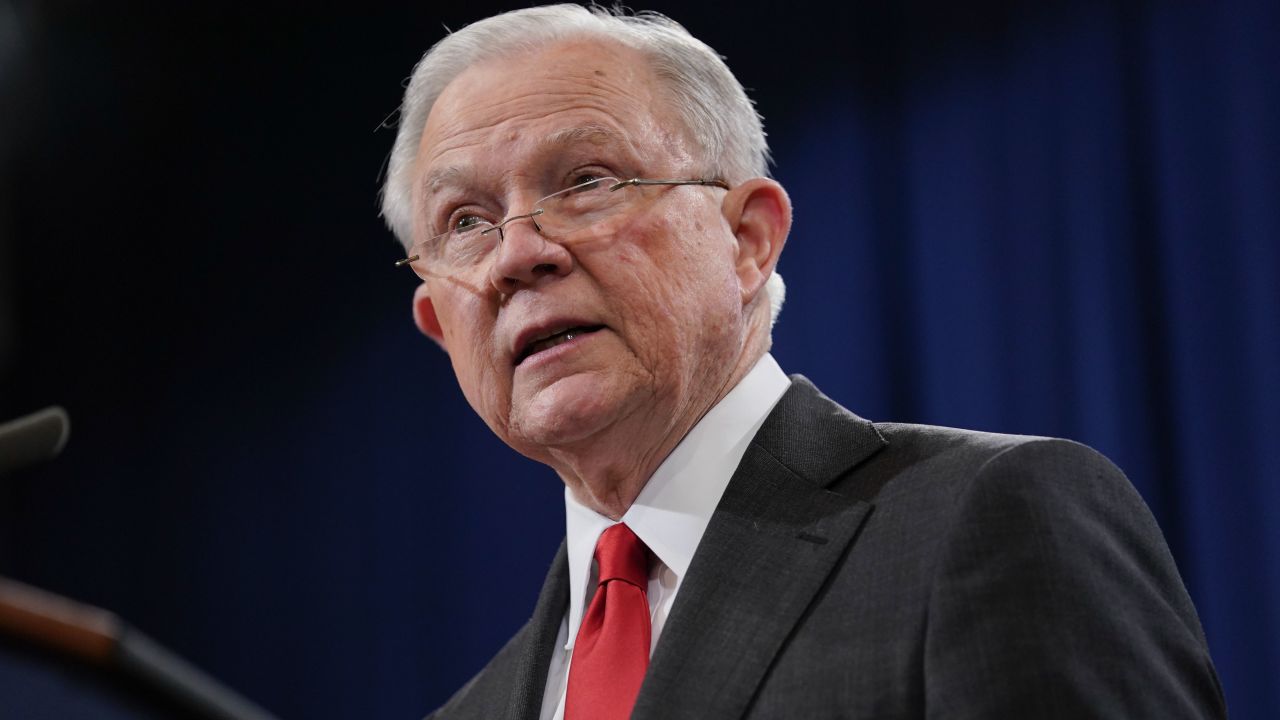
(759, 212)
(424, 316)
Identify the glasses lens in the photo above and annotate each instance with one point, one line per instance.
(561, 217)
(457, 250)
(580, 207)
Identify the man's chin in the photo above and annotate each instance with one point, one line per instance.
(569, 411)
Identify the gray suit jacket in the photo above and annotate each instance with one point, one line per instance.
(860, 570)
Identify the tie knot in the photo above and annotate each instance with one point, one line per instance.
(621, 555)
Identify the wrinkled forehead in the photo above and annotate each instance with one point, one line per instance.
(500, 113)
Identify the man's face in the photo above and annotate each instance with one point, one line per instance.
(656, 302)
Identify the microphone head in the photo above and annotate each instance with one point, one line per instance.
(33, 438)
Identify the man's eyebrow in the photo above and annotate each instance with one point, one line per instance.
(453, 175)
(593, 133)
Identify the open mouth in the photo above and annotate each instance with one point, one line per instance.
(558, 338)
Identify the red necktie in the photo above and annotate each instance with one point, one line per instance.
(612, 649)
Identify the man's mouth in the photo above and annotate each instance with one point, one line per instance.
(558, 338)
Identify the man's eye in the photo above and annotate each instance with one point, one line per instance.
(465, 223)
(586, 181)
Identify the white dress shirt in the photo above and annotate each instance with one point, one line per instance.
(670, 514)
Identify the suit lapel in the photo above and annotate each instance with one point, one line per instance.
(534, 656)
(773, 540)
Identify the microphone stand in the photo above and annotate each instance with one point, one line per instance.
(88, 637)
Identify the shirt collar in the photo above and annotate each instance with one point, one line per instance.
(673, 509)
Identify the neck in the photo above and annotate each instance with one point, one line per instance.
(607, 472)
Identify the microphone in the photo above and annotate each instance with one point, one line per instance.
(33, 438)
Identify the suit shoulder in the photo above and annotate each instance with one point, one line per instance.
(1042, 571)
(954, 459)
(927, 440)
(991, 490)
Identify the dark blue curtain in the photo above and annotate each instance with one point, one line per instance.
(1042, 218)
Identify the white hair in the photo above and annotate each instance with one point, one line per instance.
(719, 118)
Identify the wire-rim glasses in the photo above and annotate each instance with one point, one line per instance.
(556, 217)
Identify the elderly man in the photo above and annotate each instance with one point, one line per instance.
(584, 196)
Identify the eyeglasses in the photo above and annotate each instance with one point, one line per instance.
(561, 217)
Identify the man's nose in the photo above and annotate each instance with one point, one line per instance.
(525, 256)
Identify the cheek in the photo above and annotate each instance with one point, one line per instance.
(468, 334)
(472, 368)
(690, 266)
(487, 390)
(675, 284)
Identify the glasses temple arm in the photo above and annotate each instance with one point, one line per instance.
(644, 181)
